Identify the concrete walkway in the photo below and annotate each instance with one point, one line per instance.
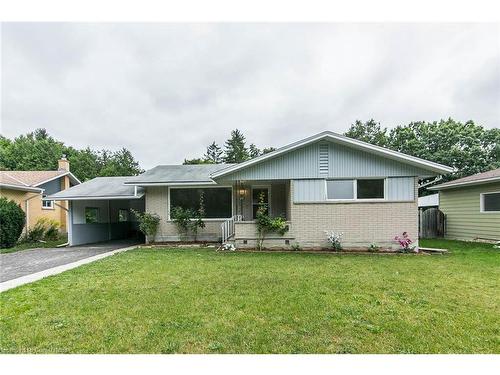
(30, 265)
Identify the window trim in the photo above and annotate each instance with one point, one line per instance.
(481, 202)
(355, 190)
(169, 219)
(98, 216)
(51, 207)
(261, 186)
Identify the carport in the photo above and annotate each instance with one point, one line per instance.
(101, 210)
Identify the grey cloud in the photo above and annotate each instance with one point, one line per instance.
(165, 91)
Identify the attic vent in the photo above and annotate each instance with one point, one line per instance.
(323, 159)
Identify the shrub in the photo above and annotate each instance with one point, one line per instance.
(266, 223)
(148, 224)
(373, 247)
(44, 228)
(335, 239)
(296, 246)
(405, 242)
(12, 220)
(187, 219)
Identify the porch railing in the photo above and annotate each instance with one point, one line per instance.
(227, 227)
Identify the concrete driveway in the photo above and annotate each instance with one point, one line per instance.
(27, 262)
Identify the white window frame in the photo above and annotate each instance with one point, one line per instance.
(201, 187)
(355, 190)
(51, 207)
(481, 202)
(268, 187)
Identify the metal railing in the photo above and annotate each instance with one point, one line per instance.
(227, 227)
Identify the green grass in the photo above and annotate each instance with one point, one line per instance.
(199, 301)
(34, 245)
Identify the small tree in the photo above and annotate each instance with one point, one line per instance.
(12, 220)
(148, 224)
(266, 223)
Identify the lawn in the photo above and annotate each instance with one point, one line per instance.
(200, 301)
(34, 245)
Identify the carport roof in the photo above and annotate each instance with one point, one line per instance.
(100, 188)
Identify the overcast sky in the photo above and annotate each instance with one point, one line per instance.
(165, 91)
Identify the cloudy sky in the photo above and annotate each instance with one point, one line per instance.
(165, 91)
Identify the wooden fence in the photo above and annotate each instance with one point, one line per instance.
(431, 223)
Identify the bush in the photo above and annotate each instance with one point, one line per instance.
(44, 229)
(12, 220)
(148, 224)
(335, 239)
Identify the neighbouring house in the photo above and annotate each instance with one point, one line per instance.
(30, 190)
(321, 183)
(472, 206)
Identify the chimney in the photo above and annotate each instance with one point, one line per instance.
(63, 164)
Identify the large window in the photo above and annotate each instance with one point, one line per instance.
(490, 202)
(370, 189)
(217, 201)
(340, 189)
(91, 215)
(355, 189)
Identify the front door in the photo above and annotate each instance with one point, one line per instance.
(258, 193)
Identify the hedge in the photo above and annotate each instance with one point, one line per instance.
(12, 219)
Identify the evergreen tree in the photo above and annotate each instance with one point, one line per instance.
(254, 151)
(213, 154)
(235, 148)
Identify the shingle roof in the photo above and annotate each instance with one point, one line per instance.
(32, 178)
(199, 173)
(100, 188)
(478, 178)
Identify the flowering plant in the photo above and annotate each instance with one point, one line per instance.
(497, 246)
(335, 239)
(404, 242)
(227, 247)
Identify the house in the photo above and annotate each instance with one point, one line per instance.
(324, 182)
(30, 190)
(472, 206)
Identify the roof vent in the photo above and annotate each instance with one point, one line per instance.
(323, 159)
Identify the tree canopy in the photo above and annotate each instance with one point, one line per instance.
(37, 151)
(468, 147)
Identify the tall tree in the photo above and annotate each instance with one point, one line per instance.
(213, 154)
(39, 151)
(468, 147)
(235, 148)
(254, 151)
(369, 131)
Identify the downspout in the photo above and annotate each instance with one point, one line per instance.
(27, 206)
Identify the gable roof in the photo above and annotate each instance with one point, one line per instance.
(177, 175)
(334, 137)
(100, 188)
(36, 178)
(475, 179)
(10, 182)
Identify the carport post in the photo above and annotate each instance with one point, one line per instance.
(109, 220)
